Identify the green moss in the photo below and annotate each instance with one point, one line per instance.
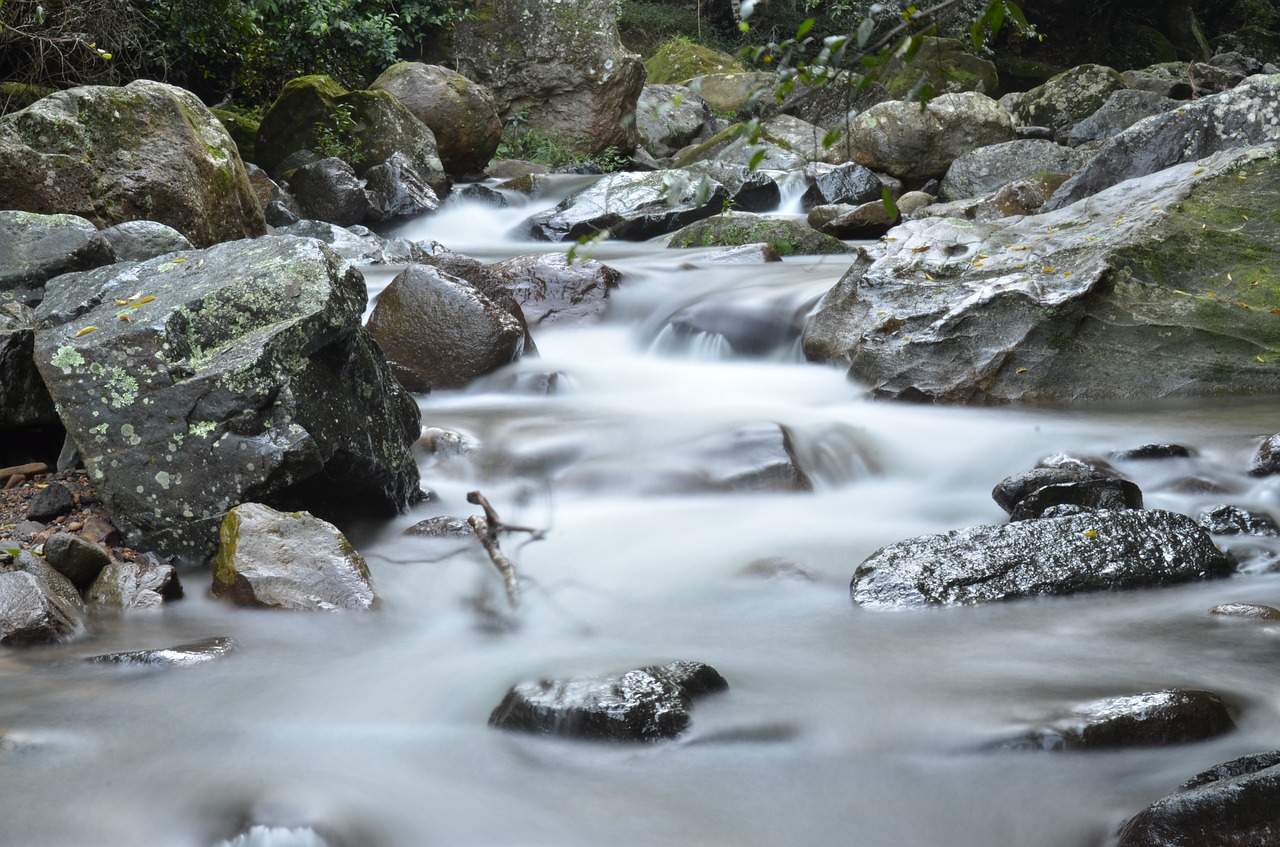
(679, 59)
(787, 237)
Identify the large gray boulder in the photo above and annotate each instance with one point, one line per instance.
(1244, 116)
(1146, 291)
(631, 206)
(238, 371)
(561, 63)
(1067, 98)
(438, 331)
(1123, 109)
(899, 138)
(987, 169)
(145, 151)
(39, 247)
(1096, 551)
(288, 561)
(329, 190)
(462, 115)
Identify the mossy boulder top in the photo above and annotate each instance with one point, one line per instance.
(679, 60)
(788, 237)
(945, 66)
(462, 115)
(147, 151)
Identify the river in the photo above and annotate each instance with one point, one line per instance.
(841, 726)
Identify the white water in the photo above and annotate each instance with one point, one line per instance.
(841, 726)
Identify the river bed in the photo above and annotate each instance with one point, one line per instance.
(841, 726)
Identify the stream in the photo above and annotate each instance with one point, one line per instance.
(841, 726)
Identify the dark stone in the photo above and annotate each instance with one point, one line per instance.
(75, 558)
(50, 578)
(475, 193)
(1266, 460)
(24, 401)
(850, 184)
(442, 526)
(1174, 716)
(395, 190)
(40, 247)
(52, 501)
(1233, 520)
(1236, 804)
(1097, 551)
(1152, 451)
(1012, 489)
(550, 289)
(647, 704)
(181, 655)
(328, 190)
(1108, 493)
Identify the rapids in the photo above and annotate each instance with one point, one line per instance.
(841, 726)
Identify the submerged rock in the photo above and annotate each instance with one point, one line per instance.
(551, 289)
(288, 561)
(1097, 551)
(181, 655)
(1233, 520)
(1173, 716)
(1251, 611)
(647, 704)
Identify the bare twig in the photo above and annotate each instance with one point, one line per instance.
(489, 539)
(475, 498)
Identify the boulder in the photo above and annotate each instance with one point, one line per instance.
(945, 65)
(395, 190)
(32, 612)
(1244, 116)
(133, 241)
(40, 247)
(1174, 716)
(832, 105)
(288, 561)
(1013, 489)
(238, 370)
(1124, 108)
(749, 190)
(850, 184)
(647, 704)
(461, 114)
(76, 558)
(438, 331)
(147, 151)
(562, 63)
(914, 144)
(788, 237)
(987, 169)
(1144, 292)
(1067, 98)
(734, 93)
(50, 578)
(742, 145)
(329, 190)
(1266, 459)
(551, 289)
(1235, 804)
(145, 583)
(631, 206)
(1097, 551)
(678, 60)
(1081, 495)
(866, 220)
(809, 140)
(24, 401)
(178, 656)
(1233, 520)
(671, 117)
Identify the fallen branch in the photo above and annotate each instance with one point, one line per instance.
(488, 536)
(496, 525)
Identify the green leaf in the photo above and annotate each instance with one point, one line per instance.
(756, 160)
(804, 28)
(976, 33)
(889, 206)
(829, 140)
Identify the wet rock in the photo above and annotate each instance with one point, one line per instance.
(75, 558)
(632, 206)
(850, 184)
(25, 403)
(50, 578)
(749, 190)
(438, 331)
(242, 370)
(1067, 98)
(550, 289)
(1251, 611)
(1012, 489)
(394, 189)
(442, 526)
(157, 153)
(288, 561)
(52, 501)
(1152, 451)
(788, 237)
(1233, 520)
(146, 583)
(1235, 804)
(1173, 716)
(777, 568)
(462, 115)
(751, 458)
(1266, 460)
(31, 612)
(987, 169)
(1089, 494)
(181, 655)
(328, 190)
(133, 241)
(39, 247)
(671, 117)
(646, 704)
(743, 254)
(1098, 551)
(869, 220)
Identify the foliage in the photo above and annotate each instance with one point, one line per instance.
(58, 43)
(338, 137)
(521, 141)
(644, 25)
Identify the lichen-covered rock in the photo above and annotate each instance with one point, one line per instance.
(438, 331)
(1126, 297)
(1174, 716)
(809, 140)
(1067, 98)
(788, 237)
(288, 561)
(24, 401)
(1124, 108)
(133, 241)
(462, 115)
(671, 117)
(987, 169)
(550, 289)
(145, 583)
(1097, 551)
(631, 206)
(850, 184)
(241, 370)
(739, 145)
(178, 656)
(31, 612)
(147, 151)
(646, 704)
(1235, 804)
(1244, 116)
(561, 62)
(39, 247)
(678, 60)
(914, 144)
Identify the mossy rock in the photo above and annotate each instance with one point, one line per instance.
(679, 59)
(290, 124)
(945, 66)
(243, 131)
(730, 230)
(15, 96)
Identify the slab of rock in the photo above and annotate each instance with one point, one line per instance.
(629, 205)
(178, 656)
(39, 247)
(1173, 716)
(1098, 551)
(646, 704)
(329, 190)
(31, 612)
(987, 169)
(242, 370)
(1235, 804)
(288, 561)
(550, 289)
(1123, 109)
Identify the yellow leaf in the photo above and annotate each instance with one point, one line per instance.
(1049, 270)
(926, 276)
(1212, 293)
(1244, 304)
(179, 259)
(1090, 533)
(1021, 370)
(86, 331)
(921, 249)
(122, 302)
(1197, 171)
(1260, 359)
(146, 299)
(1228, 276)
(125, 318)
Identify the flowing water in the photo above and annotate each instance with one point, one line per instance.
(841, 726)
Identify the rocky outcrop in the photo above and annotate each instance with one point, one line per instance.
(561, 63)
(146, 151)
(438, 331)
(1095, 551)
(646, 704)
(631, 206)
(1174, 716)
(192, 383)
(1146, 291)
(40, 247)
(1067, 98)
(788, 237)
(288, 561)
(987, 169)
(461, 114)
